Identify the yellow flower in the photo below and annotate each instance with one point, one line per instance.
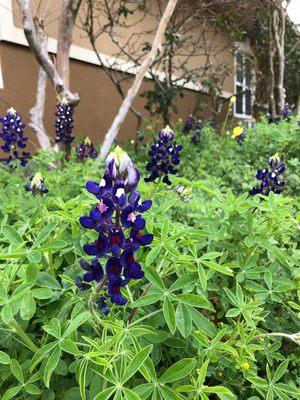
(180, 120)
(132, 141)
(237, 131)
(37, 179)
(245, 365)
(232, 100)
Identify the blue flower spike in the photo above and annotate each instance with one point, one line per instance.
(117, 219)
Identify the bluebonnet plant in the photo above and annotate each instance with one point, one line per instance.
(270, 178)
(239, 134)
(165, 154)
(36, 185)
(12, 134)
(287, 112)
(86, 150)
(64, 123)
(117, 219)
(194, 125)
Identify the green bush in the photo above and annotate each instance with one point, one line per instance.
(223, 270)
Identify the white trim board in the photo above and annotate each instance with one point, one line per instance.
(10, 33)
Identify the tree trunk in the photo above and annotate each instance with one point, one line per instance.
(67, 19)
(132, 92)
(279, 34)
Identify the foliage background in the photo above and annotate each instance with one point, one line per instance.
(224, 268)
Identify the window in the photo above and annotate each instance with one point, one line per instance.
(243, 105)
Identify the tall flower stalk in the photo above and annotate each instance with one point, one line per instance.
(64, 126)
(165, 155)
(117, 219)
(229, 110)
(12, 134)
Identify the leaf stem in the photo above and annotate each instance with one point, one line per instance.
(93, 297)
(134, 310)
(19, 330)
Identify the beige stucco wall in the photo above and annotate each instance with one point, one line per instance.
(218, 43)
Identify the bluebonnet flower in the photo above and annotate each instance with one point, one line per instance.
(86, 150)
(64, 123)
(194, 125)
(12, 134)
(117, 219)
(270, 178)
(239, 134)
(287, 112)
(165, 155)
(36, 185)
(188, 124)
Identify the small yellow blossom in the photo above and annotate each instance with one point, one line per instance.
(180, 120)
(87, 141)
(232, 100)
(245, 365)
(198, 370)
(237, 131)
(132, 141)
(37, 179)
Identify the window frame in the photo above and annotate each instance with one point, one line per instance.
(241, 52)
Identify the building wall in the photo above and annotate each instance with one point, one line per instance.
(99, 98)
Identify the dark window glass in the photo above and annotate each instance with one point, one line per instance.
(248, 102)
(248, 72)
(239, 72)
(239, 101)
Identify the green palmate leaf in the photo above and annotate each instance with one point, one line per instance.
(233, 312)
(280, 371)
(130, 395)
(6, 314)
(44, 233)
(178, 370)
(164, 229)
(42, 293)
(51, 364)
(135, 364)
(144, 390)
(41, 354)
(105, 394)
(217, 267)
(183, 281)
(210, 256)
(169, 314)
(82, 368)
(5, 256)
(172, 250)
(11, 393)
(153, 276)
(4, 358)
(32, 389)
(217, 390)
(151, 256)
(28, 307)
(53, 328)
(183, 320)
(31, 273)
(55, 245)
(169, 394)
(76, 322)
(34, 256)
(146, 300)
(203, 324)
(16, 370)
(3, 294)
(194, 300)
(69, 346)
(11, 235)
(47, 281)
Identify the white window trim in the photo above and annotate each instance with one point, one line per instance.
(10, 33)
(242, 47)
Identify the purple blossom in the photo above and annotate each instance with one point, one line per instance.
(194, 125)
(86, 150)
(270, 178)
(164, 157)
(117, 219)
(13, 137)
(36, 185)
(64, 123)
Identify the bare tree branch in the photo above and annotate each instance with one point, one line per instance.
(42, 55)
(37, 111)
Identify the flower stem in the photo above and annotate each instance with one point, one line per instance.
(27, 341)
(226, 119)
(134, 310)
(93, 297)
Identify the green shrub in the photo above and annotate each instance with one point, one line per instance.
(222, 271)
